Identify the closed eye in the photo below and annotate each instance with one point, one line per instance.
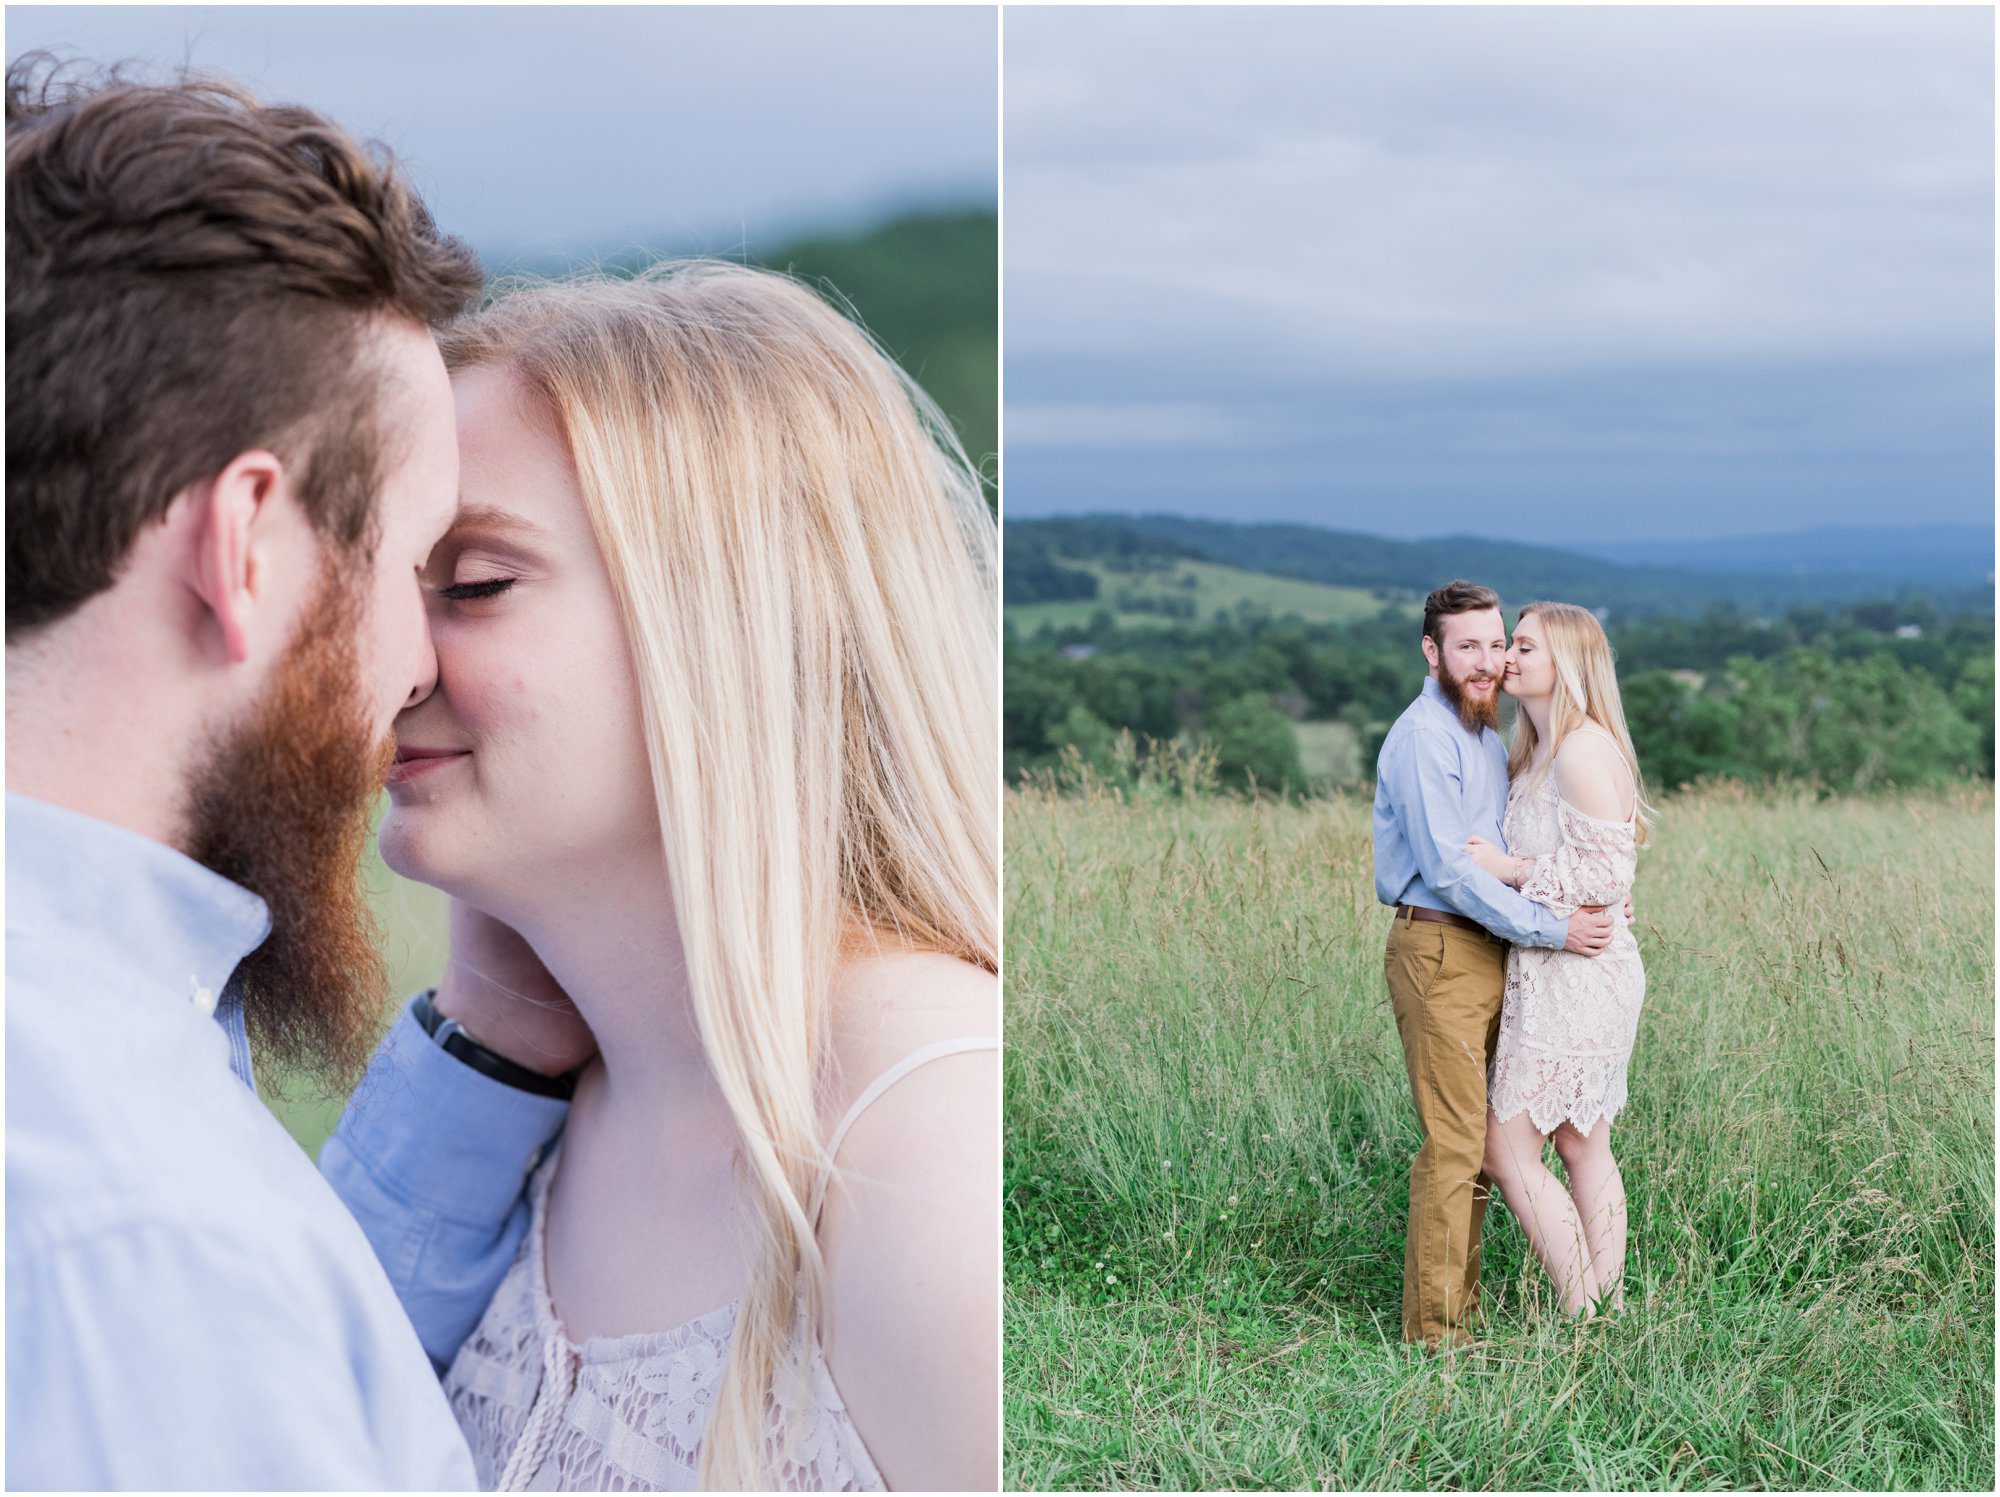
(467, 592)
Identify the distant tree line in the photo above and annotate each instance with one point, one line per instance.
(1032, 573)
(1872, 694)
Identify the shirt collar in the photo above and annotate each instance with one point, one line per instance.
(76, 879)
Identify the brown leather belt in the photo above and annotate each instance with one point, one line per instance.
(1442, 917)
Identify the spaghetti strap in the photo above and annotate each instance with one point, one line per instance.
(936, 1050)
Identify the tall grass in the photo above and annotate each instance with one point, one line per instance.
(1208, 1134)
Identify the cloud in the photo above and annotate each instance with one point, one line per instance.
(1208, 208)
(560, 128)
(1479, 190)
(1082, 426)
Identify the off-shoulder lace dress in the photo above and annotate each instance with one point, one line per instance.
(1568, 1021)
(626, 1413)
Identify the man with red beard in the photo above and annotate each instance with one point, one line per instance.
(230, 448)
(1441, 779)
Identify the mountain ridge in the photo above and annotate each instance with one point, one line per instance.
(1517, 570)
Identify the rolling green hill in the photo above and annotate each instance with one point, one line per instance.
(1200, 591)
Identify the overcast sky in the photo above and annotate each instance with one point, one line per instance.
(557, 129)
(1655, 272)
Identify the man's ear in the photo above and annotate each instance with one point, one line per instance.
(1431, 652)
(226, 572)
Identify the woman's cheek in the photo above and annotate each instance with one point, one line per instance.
(487, 684)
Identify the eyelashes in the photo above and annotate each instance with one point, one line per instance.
(469, 592)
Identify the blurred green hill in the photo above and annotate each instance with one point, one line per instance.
(926, 284)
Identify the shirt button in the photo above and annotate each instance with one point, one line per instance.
(203, 998)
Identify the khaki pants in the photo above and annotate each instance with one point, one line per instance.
(1445, 986)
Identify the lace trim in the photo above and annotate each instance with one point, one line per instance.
(624, 1412)
(628, 1412)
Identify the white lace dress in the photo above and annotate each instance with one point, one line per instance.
(626, 1413)
(1568, 1022)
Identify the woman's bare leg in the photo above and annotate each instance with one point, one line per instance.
(1543, 1208)
(1598, 1192)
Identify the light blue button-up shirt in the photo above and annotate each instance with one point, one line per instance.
(1436, 784)
(189, 1302)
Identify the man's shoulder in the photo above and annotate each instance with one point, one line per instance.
(1419, 725)
(111, 1126)
(206, 1308)
(192, 1213)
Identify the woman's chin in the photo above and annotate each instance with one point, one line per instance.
(406, 852)
(420, 854)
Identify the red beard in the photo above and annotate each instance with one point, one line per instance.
(281, 808)
(1475, 712)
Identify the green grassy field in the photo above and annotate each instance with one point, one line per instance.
(1216, 589)
(1208, 1132)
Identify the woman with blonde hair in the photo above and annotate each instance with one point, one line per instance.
(714, 732)
(1576, 815)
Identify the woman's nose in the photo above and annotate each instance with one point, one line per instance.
(424, 681)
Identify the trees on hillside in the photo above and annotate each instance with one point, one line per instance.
(1835, 702)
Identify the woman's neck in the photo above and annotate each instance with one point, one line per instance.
(617, 952)
(1537, 709)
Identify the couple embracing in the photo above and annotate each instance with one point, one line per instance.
(1513, 973)
(664, 609)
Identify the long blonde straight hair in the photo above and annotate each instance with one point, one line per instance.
(1586, 692)
(805, 563)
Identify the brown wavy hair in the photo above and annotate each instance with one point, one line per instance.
(193, 273)
(1455, 597)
